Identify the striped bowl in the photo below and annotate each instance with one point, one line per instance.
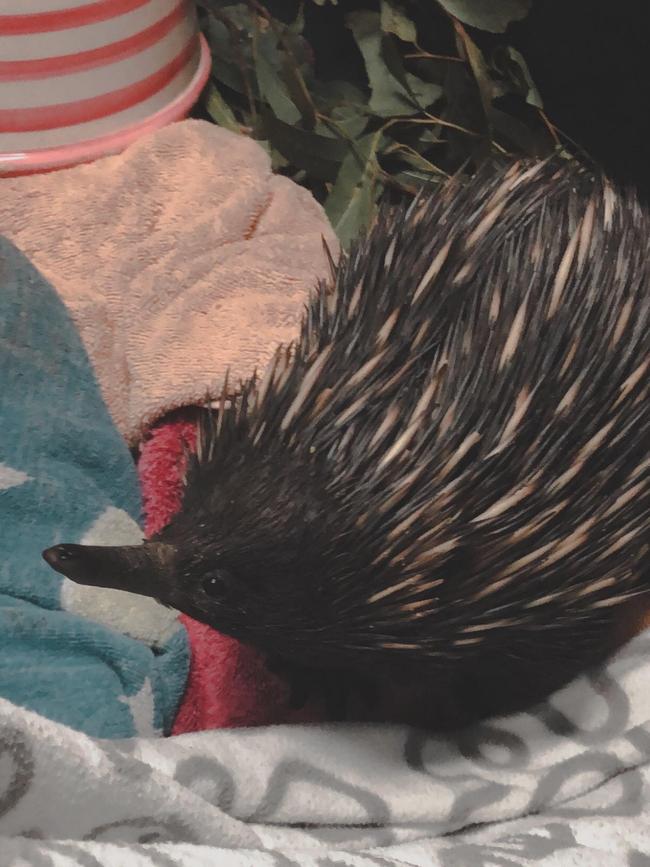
(80, 79)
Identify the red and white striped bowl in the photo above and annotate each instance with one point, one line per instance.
(82, 79)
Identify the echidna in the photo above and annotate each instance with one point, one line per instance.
(443, 486)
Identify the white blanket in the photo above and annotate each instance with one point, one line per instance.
(567, 785)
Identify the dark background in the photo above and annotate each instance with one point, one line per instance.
(591, 62)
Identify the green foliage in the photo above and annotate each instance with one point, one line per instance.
(491, 15)
(357, 99)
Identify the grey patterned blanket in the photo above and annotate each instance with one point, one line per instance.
(567, 785)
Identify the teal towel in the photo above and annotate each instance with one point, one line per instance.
(62, 465)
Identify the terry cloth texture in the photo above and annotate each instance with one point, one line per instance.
(178, 259)
(67, 475)
(564, 786)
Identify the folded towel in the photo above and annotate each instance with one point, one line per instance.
(66, 475)
(177, 259)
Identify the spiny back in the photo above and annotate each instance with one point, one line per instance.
(474, 392)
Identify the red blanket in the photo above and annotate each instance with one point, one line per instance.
(228, 683)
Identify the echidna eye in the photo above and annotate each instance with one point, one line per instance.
(217, 582)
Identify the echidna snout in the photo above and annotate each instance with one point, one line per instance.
(143, 569)
(444, 485)
(238, 554)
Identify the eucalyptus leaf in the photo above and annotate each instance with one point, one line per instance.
(219, 110)
(416, 180)
(533, 96)
(328, 94)
(421, 93)
(351, 202)
(229, 75)
(344, 105)
(340, 124)
(298, 23)
(491, 15)
(341, 96)
(225, 67)
(271, 87)
(479, 69)
(413, 158)
(361, 207)
(339, 92)
(238, 13)
(388, 97)
(352, 120)
(394, 20)
(425, 92)
(298, 91)
(318, 155)
(277, 160)
(431, 135)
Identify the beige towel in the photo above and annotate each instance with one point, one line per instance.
(178, 259)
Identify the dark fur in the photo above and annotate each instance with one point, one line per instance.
(305, 526)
